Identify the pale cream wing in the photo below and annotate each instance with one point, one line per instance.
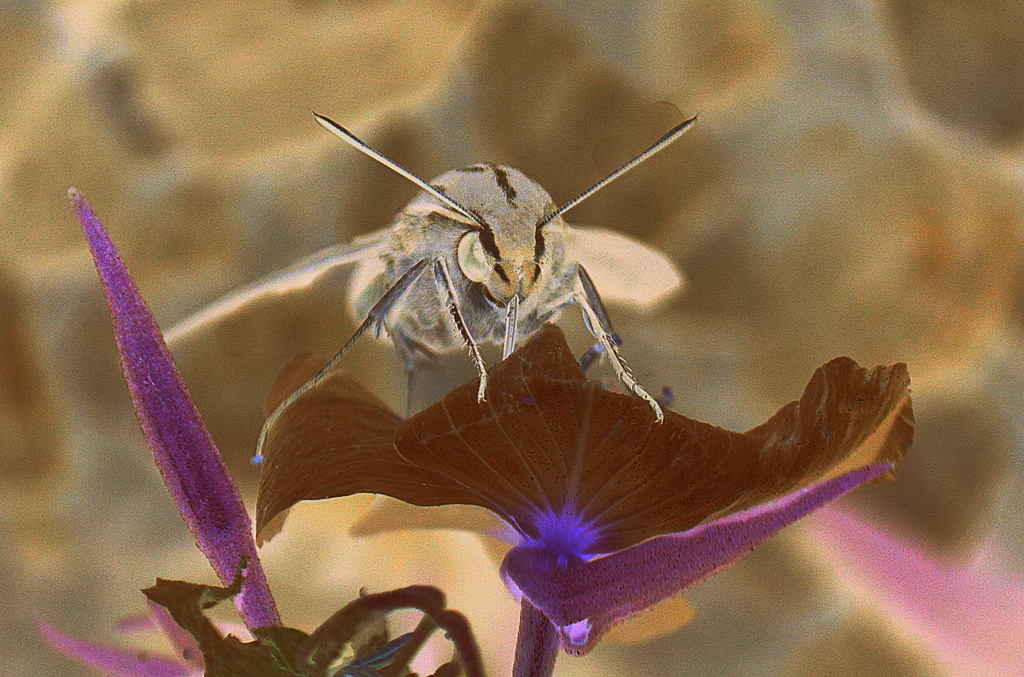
(296, 277)
(624, 270)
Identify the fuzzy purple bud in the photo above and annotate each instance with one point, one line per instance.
(191, 466)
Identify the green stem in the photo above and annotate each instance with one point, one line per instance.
(537, 645)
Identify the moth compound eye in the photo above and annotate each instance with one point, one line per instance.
(473, 260)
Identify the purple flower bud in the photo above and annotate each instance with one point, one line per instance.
(189, 462)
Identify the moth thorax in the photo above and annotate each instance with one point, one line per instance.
(503, 197)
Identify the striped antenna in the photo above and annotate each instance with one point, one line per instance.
(660, 144)
(351, 139)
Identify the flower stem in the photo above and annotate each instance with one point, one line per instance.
(537, 646)
(426, 626)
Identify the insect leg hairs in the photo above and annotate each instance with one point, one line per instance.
(376, 316)
(599, 324)
(444, 280)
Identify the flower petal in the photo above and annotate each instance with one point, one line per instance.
(970, 617)
(111, 660)
(584, 600)
(191, 466)
(547, 442)
(338, 440)
(555, 454)
(182, 642)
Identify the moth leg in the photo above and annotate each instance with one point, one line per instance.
(444, 281)
(374, 318)
(414, 354)
(598, 323)
(594, 353)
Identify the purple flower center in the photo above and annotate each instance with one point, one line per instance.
(566, 535)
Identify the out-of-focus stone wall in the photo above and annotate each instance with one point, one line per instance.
(853, 186)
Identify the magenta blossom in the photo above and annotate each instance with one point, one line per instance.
(120, 662)
(611, 511)
(968, 615)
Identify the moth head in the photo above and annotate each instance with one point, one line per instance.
(502, 276)
(505, 252)
(514, 227)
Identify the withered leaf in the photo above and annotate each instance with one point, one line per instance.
(549, 442)
(327, 641)
(286, 652)
(271, 655)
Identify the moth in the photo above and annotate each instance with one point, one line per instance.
(480, 255)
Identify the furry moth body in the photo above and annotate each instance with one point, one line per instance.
(482, 254)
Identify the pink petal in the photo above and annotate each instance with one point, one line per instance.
(584, 600)
(185, 645)
(973, 620)
(191, 466)
(133, 623)
(113, 661)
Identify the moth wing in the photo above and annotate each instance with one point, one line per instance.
(296, 277)
(624, 270)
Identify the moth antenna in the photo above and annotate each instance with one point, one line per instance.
(660, 144)
(352, 140)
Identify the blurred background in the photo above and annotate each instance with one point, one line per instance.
(853, 186)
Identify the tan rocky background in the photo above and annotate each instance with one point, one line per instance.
(854, 186)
